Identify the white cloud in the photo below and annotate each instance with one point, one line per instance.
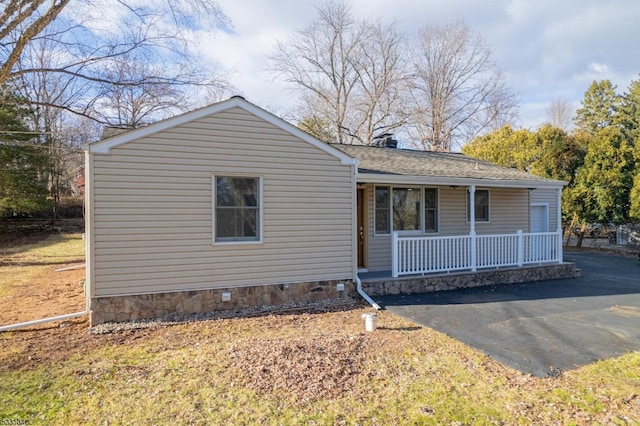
(599, 68)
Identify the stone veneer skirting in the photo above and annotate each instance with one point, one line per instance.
(427, 284)
(158, 305)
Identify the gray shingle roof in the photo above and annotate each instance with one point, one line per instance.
(392, 161)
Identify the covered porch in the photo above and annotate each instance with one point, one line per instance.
(515, 229)
(422, 263)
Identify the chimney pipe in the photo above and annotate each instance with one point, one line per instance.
(385, 140)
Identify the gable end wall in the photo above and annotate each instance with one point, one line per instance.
(152, 210)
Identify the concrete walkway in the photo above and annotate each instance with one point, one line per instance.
(540, 328)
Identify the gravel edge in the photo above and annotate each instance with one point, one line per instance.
(175, 319)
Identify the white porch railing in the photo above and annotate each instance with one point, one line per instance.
(422, 255)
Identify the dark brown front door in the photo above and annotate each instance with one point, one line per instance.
(361, 227)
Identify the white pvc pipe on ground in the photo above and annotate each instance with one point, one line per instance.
(70, 268)
(42, 321)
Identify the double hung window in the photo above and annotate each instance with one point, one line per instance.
(481, 205)
(237, 208)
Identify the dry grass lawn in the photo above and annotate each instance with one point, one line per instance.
(313, 367)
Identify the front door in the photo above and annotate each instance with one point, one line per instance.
(361, 228)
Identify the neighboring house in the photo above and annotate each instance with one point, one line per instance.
(228, 207)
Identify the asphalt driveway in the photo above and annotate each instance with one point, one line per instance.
(540, 328)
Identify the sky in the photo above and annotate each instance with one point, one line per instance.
(547, 49)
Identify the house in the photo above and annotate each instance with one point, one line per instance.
(229, 206)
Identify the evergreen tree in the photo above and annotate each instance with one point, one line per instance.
(506, 147)
(550, 152)
(600, 107)
(560, 155)
(602, 187)
(23, 183)
(629, 113)
(634, 209)
(629, 118)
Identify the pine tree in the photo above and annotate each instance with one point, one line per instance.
(603, 184)
(23, 183)
(600, 107)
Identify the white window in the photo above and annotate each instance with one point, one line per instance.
(399, 209)
(481, 207)
(237, 209)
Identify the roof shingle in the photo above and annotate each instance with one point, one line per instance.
(406, 162)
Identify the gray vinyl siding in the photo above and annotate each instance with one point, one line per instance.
(378, 246)
(153, 212)
(509, 212)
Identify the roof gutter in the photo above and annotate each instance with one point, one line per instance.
(384, 178)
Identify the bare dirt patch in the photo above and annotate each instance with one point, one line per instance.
(29, 348)
(50, 294)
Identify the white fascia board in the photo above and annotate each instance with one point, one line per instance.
(105, 145)
(446, 181)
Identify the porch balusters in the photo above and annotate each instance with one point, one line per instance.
(421, 255)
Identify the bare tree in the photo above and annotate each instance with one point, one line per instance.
(456, 89)
(381, 71)
(560, 114)
(86, 45)
(349, 73)
(20, 22)
(132, 106)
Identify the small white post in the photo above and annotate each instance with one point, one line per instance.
(559, 228)
(520, 245)
(394, 254)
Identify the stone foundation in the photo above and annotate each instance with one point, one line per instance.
(158, 305)
(427, 284)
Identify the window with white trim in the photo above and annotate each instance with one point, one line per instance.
(237, 208)
(400, 209)
(383, 225)
(406, 209)
(430, 210)
(481, 207)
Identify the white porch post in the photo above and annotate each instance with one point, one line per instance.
(472, 226)
(520, 244)
(559, 228)
(394, 254)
